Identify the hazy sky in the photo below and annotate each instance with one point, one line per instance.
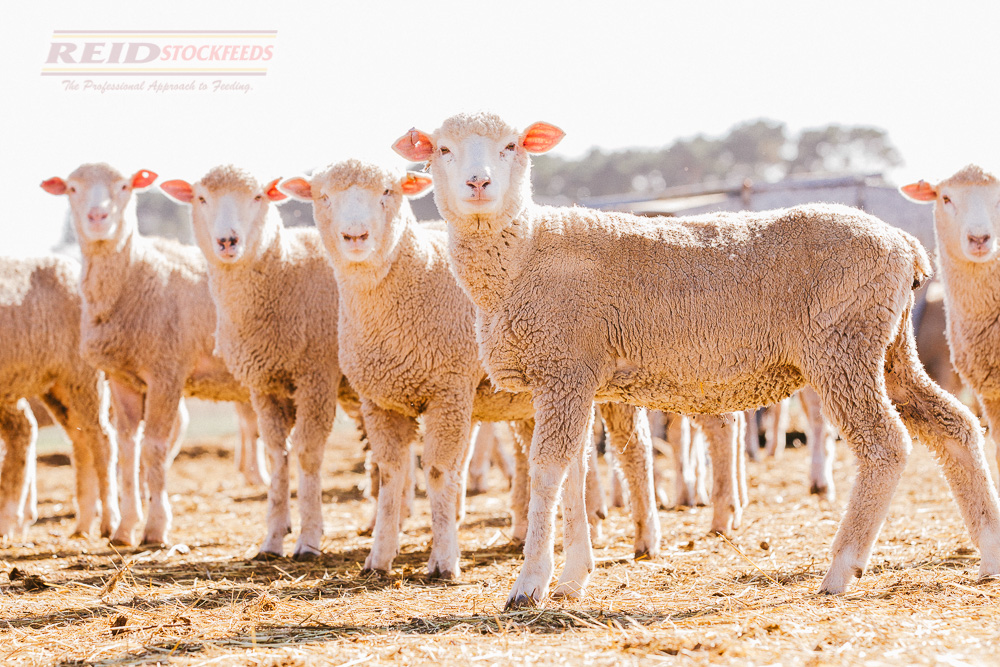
(348, 78)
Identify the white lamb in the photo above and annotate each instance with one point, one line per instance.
(967, 231)
(407, 343)
(40, 324)
(148, 322)
(574, 304)
(276, 328)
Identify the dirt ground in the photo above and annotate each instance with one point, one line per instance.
(706, 600)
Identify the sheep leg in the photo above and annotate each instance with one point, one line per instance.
(86, 496)
(19, 432)
(520, 483)
(679, 437)
(164, 423)
(721, 434)
(391, 436)
(820, 444)
(275, 416)
(576, 533)
(447, 425)
(777, 432)
(855, 400)
(952, 432)
(502, 458)
(250, 452)
(562, 424)
(315, 413)
(479, 464)
(596, 503)
(82, 413)
(753, 435)
(630, 440)
(741, 457)
(128, 408)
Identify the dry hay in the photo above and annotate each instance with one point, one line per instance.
(707, 600)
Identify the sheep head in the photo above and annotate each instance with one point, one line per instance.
(98, 197)
(966, 213)
(360, 209)
(480, 164)
(229, 212)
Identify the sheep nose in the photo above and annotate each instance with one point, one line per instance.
(97, 215)
(478, 183)
(979, 240)
(227, 242)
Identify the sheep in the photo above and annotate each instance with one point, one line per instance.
(408, 346)
(148, 323)
(276, 329)
(40, 321)
(576, 305)
(966, 229)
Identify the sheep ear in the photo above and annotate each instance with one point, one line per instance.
(178, 190)
(298, 188)
(273, 193)
(541, 137)
(921, 192)
(142, 179)
(415, 146)
(415, 183)
(54, 186)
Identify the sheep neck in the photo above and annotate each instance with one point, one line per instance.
(487, 257)
(250, 281)
(108, 272)
(970, 288)
(365, 290)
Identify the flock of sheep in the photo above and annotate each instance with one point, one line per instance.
(509, 312)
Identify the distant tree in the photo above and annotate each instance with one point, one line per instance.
(758, 150)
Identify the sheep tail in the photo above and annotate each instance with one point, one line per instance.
(922, 268)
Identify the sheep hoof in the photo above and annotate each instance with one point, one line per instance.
(443, 575)
(643, 554)
(305, 556)
(78, 535)
(374, 572)
(153, 542)
(121, 542)
(267, 556)
(521, 601)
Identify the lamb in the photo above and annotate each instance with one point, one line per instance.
(40, 321)
(576, 305)
(966, 229)
(276, 329)
(147, 322)
(408, 345)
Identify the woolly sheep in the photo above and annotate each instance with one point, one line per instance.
(148, 323)
(575, 304)
(408, 345)
(487, 449)
(40, 324)
(967, 229)
(276, 328)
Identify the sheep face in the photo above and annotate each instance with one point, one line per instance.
(966, 213)
(229, 212)
(480, 163)
(358, 208)
(98, 197)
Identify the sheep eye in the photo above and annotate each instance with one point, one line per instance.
(445, 150)
(258, 198)
(511, 146)
(946, 199)
(125, 187)
(72, 190)
(325, 198)
(387, 192)
(202, 199)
